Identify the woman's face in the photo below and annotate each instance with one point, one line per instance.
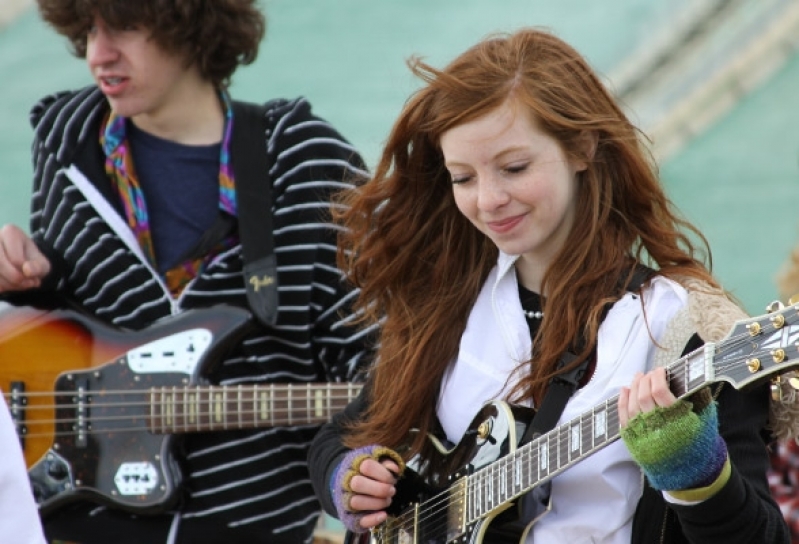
(515, 184)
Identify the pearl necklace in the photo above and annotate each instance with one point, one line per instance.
(529, 314)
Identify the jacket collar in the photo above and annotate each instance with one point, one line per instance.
(505, 264)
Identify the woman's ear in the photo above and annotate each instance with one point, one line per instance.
(587, 148)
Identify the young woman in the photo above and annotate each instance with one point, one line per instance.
(515, 221)
(137, 204)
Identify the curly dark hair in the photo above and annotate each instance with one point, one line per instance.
(217, 35)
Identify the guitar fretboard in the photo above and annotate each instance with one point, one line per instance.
(544, 457)
(212, 408)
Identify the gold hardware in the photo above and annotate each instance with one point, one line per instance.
(778, 321)
(776, 389)
(257, 282)
(753, 328)
(775, 306)
(483, 430)
(753, 365)
(778, 355)
(794, 382)
(794, 299)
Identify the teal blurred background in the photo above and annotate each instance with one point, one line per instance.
(713, 83)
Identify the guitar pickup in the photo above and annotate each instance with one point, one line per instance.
(16, 405)
(81, 424)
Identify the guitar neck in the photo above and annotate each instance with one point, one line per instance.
(542, 458)
(495, 474)
(176, 410)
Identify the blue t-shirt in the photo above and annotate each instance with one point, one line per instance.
(181, 190)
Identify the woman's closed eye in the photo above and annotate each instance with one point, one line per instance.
(516, 168)
(458, 179)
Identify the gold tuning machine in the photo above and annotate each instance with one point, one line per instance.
(776, 389)
(794, 299)
(775, 306)
(776, 386)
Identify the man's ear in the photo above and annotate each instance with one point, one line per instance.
(587, 146)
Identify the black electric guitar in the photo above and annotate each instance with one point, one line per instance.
(490, 472)
(97, 408)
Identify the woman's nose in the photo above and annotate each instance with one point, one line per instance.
(490, 193)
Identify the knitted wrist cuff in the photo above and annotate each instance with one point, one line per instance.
(350, 466)
(676, 447)
(703, 493)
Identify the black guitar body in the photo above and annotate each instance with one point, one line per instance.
(493, 433)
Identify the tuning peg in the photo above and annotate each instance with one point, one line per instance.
(776, 389)
(794, 299)
(775, 306)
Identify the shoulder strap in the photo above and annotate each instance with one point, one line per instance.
(254, 207)
(563, 386)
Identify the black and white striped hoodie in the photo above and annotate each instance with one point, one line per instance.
(254, 483)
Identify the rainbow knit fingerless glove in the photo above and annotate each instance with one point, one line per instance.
(677, 448)
(340, 482)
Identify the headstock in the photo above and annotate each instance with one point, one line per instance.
(760, 348)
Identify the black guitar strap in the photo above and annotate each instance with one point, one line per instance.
(562, 386)
(254, 207)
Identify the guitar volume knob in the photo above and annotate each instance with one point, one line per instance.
(56, 470)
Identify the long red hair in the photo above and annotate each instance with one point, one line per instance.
(419, 263)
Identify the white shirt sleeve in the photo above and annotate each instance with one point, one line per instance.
(19, 517)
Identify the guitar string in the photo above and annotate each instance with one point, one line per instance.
(528, 454)
(180, 390)
(277, 407)
(186, 399)
(184, 426)
(211, 424)
(268, 388)
(527, 457)
(476, 487)
(482, 474)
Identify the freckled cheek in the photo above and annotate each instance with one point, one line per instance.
(466, 203)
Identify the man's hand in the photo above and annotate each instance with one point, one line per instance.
(22, 264)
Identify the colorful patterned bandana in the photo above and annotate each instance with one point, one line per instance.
(119, 167)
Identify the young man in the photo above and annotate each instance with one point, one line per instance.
(135, 216)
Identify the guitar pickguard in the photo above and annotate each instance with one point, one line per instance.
(493, 433)
(80, 397)
(92, 455)
(98, 410)
(179, 352)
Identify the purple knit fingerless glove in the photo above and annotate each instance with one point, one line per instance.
(340, 489)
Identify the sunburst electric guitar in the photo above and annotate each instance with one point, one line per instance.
(472, 502)
(97, 408)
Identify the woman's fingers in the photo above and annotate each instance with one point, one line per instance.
(646, 392)
(373, 487)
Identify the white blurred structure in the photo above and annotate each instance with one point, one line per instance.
(9, 9)
(696, 69)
